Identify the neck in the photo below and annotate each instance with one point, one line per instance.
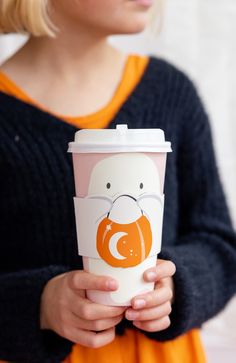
(70, 66)
(66, 54)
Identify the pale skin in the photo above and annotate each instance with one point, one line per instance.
(76, 73)
(66, 310)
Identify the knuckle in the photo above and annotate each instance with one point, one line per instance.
(98, 282)
(165, 323)
(86, 312)
(112, 335)
(94, 341)
(169, 293)
(150, 327)
(89, 342)
(171, 267)
(168, 308)
(169, 262)
(154, 326)
(101, 283)
(141, 325)
(118, 310)
(149, 299)
(119, 319)
(95, 282)
(115, 321)
(98, 325)
(72, 279)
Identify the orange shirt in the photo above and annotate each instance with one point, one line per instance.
(133, 346)
(133, 71)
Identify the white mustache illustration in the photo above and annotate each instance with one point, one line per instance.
(136, 206)
(122, 208)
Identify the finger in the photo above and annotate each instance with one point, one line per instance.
(161, 270)
(149, 314)
(153, 325)
(89, 310)
(166, 281)
(88, 338)
(153, 298)
(96, 325)
(87, 281)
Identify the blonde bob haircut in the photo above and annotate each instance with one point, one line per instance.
(26, 16)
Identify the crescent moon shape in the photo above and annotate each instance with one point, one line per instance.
(113, 245)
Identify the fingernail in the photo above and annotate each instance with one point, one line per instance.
(132, 315)
(140, 303)
(112, 284)
(151, 275)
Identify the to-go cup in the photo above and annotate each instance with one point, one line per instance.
(119, 178)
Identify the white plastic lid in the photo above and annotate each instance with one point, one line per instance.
(120, 139)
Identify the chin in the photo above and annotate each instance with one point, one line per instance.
(134, 29)
(131, 27)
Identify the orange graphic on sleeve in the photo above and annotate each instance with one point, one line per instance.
(124, 245)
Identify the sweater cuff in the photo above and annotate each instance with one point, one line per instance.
(22, 340)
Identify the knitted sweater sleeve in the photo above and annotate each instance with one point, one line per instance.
(21, 339)
(205, 250)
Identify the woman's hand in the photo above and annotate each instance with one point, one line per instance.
(150, 311)
(66, 310)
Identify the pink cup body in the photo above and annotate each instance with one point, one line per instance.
(83, 164)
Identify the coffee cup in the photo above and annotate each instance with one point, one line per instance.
(119, 203)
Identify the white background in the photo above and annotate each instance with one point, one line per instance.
(199, 36)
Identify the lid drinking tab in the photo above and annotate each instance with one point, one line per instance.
(122, 128)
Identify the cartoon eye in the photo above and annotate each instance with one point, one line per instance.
(108, 185)
(141, 185)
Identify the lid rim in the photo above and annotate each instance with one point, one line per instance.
(121, 139)
(75, 148)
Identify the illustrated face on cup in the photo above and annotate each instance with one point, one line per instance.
(125, 189)
(134, 173)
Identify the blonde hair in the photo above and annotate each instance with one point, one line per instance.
(26, 16)
(31, 16)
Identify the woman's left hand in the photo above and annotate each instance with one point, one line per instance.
(150, 311)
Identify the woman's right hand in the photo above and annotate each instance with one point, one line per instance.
(66, 310)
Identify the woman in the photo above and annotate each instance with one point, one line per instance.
(66, 77)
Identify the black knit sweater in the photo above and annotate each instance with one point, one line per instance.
(37, 224)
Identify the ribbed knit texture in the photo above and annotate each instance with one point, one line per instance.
(37, 224)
